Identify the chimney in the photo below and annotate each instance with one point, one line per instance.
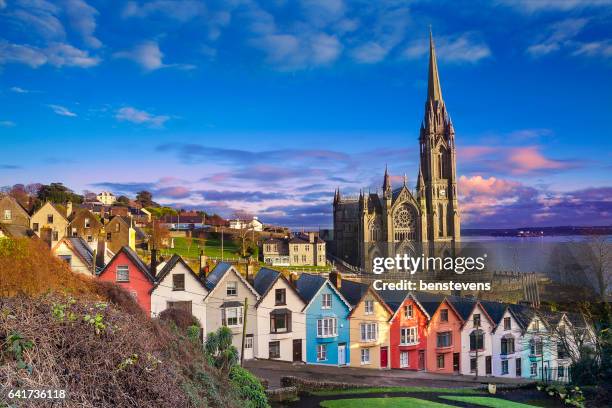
(293, 277)
(311, 237)
(153, 267)
(68, 209)
(101, 252)
(249, 273)
(335, 278)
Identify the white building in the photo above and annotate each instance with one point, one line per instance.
(76, 253)
(106, 198)
(507, 340)
(476, 345)
(225, 305)
(253, 224)
(179, 287)
(281, 322)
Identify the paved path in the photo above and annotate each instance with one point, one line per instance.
(274, 370)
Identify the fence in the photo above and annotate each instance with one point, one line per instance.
(559, 374)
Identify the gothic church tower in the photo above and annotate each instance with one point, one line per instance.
(437, 184)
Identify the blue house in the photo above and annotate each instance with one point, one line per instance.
(327, 324)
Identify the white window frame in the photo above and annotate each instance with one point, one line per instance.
(368, 307)
(409, 310)
(326, 301)
(248, 342)
(365, 356)
(8, 215)
(124, 268)
(327, 327)
(321, 352)
(409, 336)
(404, 359)
(369, 331)
(505, 367)
(233, 310)
(533, 369)
(235, 288)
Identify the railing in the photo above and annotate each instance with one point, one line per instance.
(554, 375)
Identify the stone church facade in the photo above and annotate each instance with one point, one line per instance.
(401, 220)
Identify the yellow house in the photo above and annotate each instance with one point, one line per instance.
(50, 223)
(369, 325)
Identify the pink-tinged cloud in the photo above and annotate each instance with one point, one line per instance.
(174, 192)
(491, 186)
(475, 152)
(528, 159)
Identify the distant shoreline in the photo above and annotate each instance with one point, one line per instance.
(529, 232)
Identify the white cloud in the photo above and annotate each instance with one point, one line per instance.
(41, 20)
(62, 111)
(369, 53)
(83, 19)
(290, 52)
(531, 6)
(560, 34)
(62, 54)
(181, 10)
(595, 48)
(463, 48)
(17, 89)
(147, 54)
(7, 123)
(130, 114)
(24, 54)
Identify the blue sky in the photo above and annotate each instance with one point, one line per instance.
(267, 106)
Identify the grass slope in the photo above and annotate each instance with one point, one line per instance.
(486, 401)
(400, 402)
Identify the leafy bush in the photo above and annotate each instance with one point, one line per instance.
(182, 319)
(222, 354)
(249, 387)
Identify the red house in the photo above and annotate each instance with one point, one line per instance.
(408, 331)
(129, 271)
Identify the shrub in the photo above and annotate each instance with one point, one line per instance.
(118, 296)
(249, 387)
(182, 319)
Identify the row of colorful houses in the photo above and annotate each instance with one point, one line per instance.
(335, 321)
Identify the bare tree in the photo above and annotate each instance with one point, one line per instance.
(595, 254)
(160, 235)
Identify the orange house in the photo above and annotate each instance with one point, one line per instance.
(444, 339)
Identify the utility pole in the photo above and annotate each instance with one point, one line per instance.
(244, 321)
(221, 243)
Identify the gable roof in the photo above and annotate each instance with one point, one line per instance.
(463, 306)
(395, 298)
(79, 247)
(16, 203)
(16, 231)
(61, 210)
(83, 212)
(265, 280)
(215, 276)
(134, 258)
(310, 285)
(353, 291)
(522, 314)
(429, 301)
(495, 310)
(169, 265)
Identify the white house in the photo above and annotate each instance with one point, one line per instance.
(228, 291)
(281, 324)
(476, 345)
(77, 253)
(106, 198)
(254, 224)
(508, 346)
(179, 287)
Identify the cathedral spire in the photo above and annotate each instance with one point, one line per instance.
(434, 90)
(387, 180)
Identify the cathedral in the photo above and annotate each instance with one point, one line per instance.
(401, 220)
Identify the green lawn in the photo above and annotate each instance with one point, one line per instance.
(374, 390)
(211, 246)
(486, 401)
(400, 402)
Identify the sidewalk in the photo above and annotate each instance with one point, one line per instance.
(274, 370)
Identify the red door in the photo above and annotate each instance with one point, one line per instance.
(384, 351)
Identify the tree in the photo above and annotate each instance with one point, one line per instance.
(89, 196)
(145, 198)
(220, 350)
(58, 193)
(160, 235)
(19, 193)
(595, 258)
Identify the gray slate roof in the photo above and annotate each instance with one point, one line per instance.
(353, 291)
(308, 285)
(522, 314)
(393, 298)
(83, 249)
(264, 279)
(215, 276)
(495, 309)
(429, 301)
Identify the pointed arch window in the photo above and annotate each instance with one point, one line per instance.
(404, 223)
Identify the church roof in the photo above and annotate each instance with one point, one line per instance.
(434, 90)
